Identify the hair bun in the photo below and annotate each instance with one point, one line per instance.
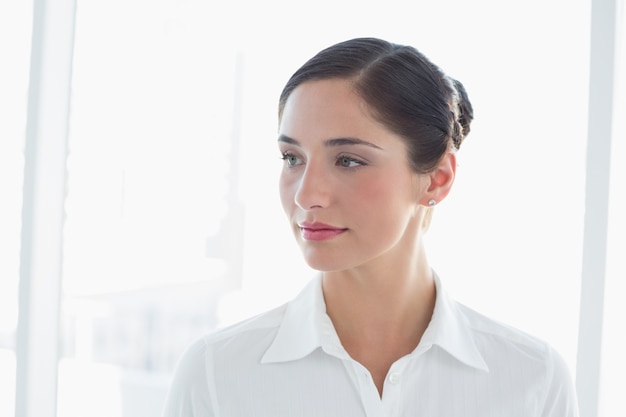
(465, 113)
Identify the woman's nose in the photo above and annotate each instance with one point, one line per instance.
(313, 188)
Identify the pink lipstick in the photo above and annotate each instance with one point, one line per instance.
(319, 232)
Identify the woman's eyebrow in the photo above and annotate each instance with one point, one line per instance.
(332, 142)
(350, 141)
(287, 139)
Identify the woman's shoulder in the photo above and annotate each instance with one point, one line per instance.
(243, 331)
(509, 350)
(497, 339)
(249, 336)
(488, 327)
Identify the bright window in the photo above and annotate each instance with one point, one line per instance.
(172, 128)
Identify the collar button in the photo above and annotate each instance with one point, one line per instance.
(394, 378)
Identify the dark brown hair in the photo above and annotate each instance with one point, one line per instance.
(406, 92)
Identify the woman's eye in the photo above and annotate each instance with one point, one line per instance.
(347, 162)
(291, 160)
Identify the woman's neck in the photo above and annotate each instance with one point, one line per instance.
(381, 312)
(390, 301)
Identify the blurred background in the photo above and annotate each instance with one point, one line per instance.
(138, 182)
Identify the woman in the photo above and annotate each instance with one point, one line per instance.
(368, 132)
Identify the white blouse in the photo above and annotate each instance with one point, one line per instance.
(290, 362)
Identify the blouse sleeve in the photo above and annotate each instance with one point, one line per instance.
(560, 394)
(189, 392)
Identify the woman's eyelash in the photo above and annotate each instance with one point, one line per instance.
(286, 155)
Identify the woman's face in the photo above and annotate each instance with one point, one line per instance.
(346, 185)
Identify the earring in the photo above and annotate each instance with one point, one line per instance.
(431, 203)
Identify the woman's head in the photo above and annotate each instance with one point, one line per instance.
(403, 90)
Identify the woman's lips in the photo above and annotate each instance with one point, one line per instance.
(319, 232)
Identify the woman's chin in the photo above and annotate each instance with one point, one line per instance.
(325, 262)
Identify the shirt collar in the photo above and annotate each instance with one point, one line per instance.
(449, 329)
(300, 331)
(306, 327)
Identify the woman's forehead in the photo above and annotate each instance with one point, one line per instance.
(331, 104)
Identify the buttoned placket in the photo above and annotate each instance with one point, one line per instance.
(361, 377)
(393, 387)
(390, 403)
(370, 399)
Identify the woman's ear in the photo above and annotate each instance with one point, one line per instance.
(441, 180)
